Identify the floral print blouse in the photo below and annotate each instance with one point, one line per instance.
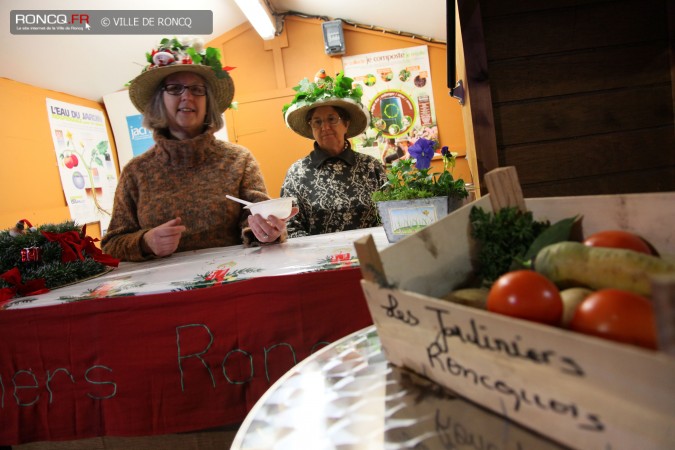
(333, 192)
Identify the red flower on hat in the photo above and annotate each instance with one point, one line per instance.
(163, 58)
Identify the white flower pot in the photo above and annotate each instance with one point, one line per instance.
(402, 218)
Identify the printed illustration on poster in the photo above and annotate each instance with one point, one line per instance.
(84, 157)
(397, 91)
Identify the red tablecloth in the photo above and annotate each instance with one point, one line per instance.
(167, 362)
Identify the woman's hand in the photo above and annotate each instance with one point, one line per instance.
(268, 230)
(163, 240)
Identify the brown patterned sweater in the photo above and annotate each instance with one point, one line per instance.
(187, 179)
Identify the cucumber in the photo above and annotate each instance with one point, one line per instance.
(570, 264)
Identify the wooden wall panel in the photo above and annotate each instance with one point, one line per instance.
(581, 93)
(643, 64)
(601, 154)
(582, 115)
(491, 8)
(477, 111)
(569, 29)
(615, 183)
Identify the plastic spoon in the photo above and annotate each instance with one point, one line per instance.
(243, 202)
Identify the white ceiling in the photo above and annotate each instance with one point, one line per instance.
(93, 66)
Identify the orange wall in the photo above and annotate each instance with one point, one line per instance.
(264, 76)
(29, 173)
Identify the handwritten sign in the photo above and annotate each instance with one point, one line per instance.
(444, 355)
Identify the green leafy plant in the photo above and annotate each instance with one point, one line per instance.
(410, 178)
(369, 141)
(502, 237)
(308, 92)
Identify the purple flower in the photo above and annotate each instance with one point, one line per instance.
(422, 150)
(445, 152)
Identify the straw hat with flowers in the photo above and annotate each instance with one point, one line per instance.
(326, 91)
(174, 56)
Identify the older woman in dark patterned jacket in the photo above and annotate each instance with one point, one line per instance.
(333, 184)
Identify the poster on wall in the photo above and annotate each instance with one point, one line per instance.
(397, 91)
(84, 157)
(140, 137)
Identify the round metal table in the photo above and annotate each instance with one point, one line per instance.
(347, 396)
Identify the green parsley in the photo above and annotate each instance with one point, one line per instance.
(503, 238)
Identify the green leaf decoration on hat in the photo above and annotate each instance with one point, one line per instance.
(212, 59)
(308, 92)
(208, 56)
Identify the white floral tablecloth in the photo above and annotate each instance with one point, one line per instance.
(213, 266)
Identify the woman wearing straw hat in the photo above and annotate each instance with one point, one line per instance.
(333, 184)
(172, 197)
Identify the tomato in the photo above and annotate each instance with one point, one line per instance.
(618, 315)
(618, 239)
(68, 162)
(527, 295)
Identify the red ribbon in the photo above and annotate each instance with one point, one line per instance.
(31, 287)
(6, 294)
(76, 245)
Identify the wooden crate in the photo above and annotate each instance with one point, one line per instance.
(582, 391)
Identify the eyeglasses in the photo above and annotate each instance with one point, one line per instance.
(318, 123)
(177, 89)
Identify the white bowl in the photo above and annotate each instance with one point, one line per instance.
(280, 207)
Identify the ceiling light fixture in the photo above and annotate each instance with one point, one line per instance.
(258, 13)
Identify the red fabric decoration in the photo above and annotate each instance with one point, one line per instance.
(76, 245)
(71, 244)
(31, 287)
(6, 294)
(168, 362)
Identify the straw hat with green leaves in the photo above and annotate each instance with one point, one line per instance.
(173, 56)
(326, 91)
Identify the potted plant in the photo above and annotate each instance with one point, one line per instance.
(413, 197)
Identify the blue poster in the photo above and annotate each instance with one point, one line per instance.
(141, 137)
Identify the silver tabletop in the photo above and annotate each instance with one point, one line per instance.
(347, 396)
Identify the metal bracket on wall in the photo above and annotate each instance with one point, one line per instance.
(458, 92)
